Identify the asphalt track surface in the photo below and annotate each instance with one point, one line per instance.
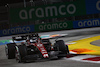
(64, 62)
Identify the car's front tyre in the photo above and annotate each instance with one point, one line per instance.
(20, 53)
(10, 50)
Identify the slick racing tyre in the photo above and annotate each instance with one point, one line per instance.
(10, 50)
(62, 47)
(20, 53)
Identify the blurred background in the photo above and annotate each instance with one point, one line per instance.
(5, 5)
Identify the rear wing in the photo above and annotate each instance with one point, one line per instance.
(24, 37)
(19, 38)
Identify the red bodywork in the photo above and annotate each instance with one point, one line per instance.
(40, 46)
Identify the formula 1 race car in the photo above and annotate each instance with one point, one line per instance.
(33, 48)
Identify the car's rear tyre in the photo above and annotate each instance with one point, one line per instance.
(10, 50)
(61, 47)
(21, 52)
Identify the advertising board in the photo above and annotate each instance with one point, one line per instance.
(86, 23)
(54, 26)
(17, 30)
(58, 10)
(92, 6)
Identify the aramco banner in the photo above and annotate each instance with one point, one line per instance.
(17, 30)
(86, 23)
(47, 11)
(54, 26)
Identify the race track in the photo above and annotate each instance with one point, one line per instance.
(73, 35)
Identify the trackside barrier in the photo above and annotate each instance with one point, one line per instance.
(51, 27)
(67, 25)
(17, 30)
(86, 23)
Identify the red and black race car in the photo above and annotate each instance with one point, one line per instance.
(34, 48)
